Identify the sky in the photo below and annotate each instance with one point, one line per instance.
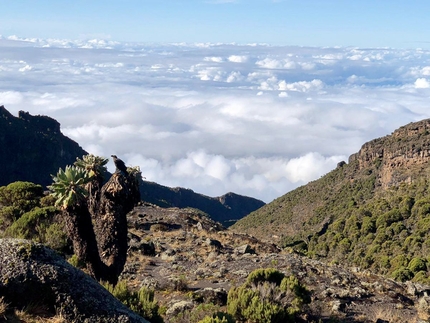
(365, 23)
(253, 97)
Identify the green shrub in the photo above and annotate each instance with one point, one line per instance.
(338, 225)
(406, 205)
(47, 200)
(265, 275)
(344, 246)
(421, 208)
(74, 261)
(33, 224)
(417, 264)
(201, 312)
(384, 262)
(8, 215)
(247, 304)
(292, 284)
(267, 296)
(402, 274)
(22, 195)
(421, 277)
(56, 238)
(16, 199)
(388, 218)
(141, 302)
(368, 225)
(178, 283)
(399, 261)
(218, 317)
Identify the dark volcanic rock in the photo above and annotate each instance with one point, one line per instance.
(32, 148)
(33, 274)
(225, 209)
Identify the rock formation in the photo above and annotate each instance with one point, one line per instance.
(33, 274)
(32, 148)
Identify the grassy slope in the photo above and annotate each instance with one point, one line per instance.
(349, 217)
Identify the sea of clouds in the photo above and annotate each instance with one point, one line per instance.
(253, 119)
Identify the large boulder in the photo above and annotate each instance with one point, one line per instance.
(31, 273)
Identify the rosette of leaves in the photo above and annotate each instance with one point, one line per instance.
(68, 187)
(93, 165)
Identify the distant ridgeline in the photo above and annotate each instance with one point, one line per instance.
(226, 208)
(373, 212)
(33, 147)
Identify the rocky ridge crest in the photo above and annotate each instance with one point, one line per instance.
(402, 156)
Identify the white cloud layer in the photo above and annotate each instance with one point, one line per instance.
(256, 120)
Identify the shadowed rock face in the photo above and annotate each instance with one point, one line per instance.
(32, 148)
(33, 274)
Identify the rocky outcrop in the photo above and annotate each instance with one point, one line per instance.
(399, 157)
(33, 274)
(32, 148)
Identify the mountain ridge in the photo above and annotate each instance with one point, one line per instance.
(33, 147)
(400, 157)
(372, 212)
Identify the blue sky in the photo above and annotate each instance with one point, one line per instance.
(181, 89)
(368, 23)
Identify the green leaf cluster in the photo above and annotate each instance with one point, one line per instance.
(95, 166)
(68, 186)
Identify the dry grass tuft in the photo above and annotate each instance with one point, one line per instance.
(23, 316)
(3, 307)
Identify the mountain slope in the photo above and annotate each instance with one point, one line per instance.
(33, 147)
(225, 209)
(373, 212)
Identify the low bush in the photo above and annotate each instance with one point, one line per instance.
(220, 318)
(402, 274)
(417, 264)
(39, 225)
(141, 302)
(203, 313)
(267, 296)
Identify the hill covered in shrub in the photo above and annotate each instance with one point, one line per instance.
(372, 212)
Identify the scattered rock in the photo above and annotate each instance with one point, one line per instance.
(337, 306)
(147, 249)
(382, 321)
(211, 295)
(179, 307)
(244, 249)
(215, 244)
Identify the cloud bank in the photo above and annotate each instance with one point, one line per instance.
(257, 120)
